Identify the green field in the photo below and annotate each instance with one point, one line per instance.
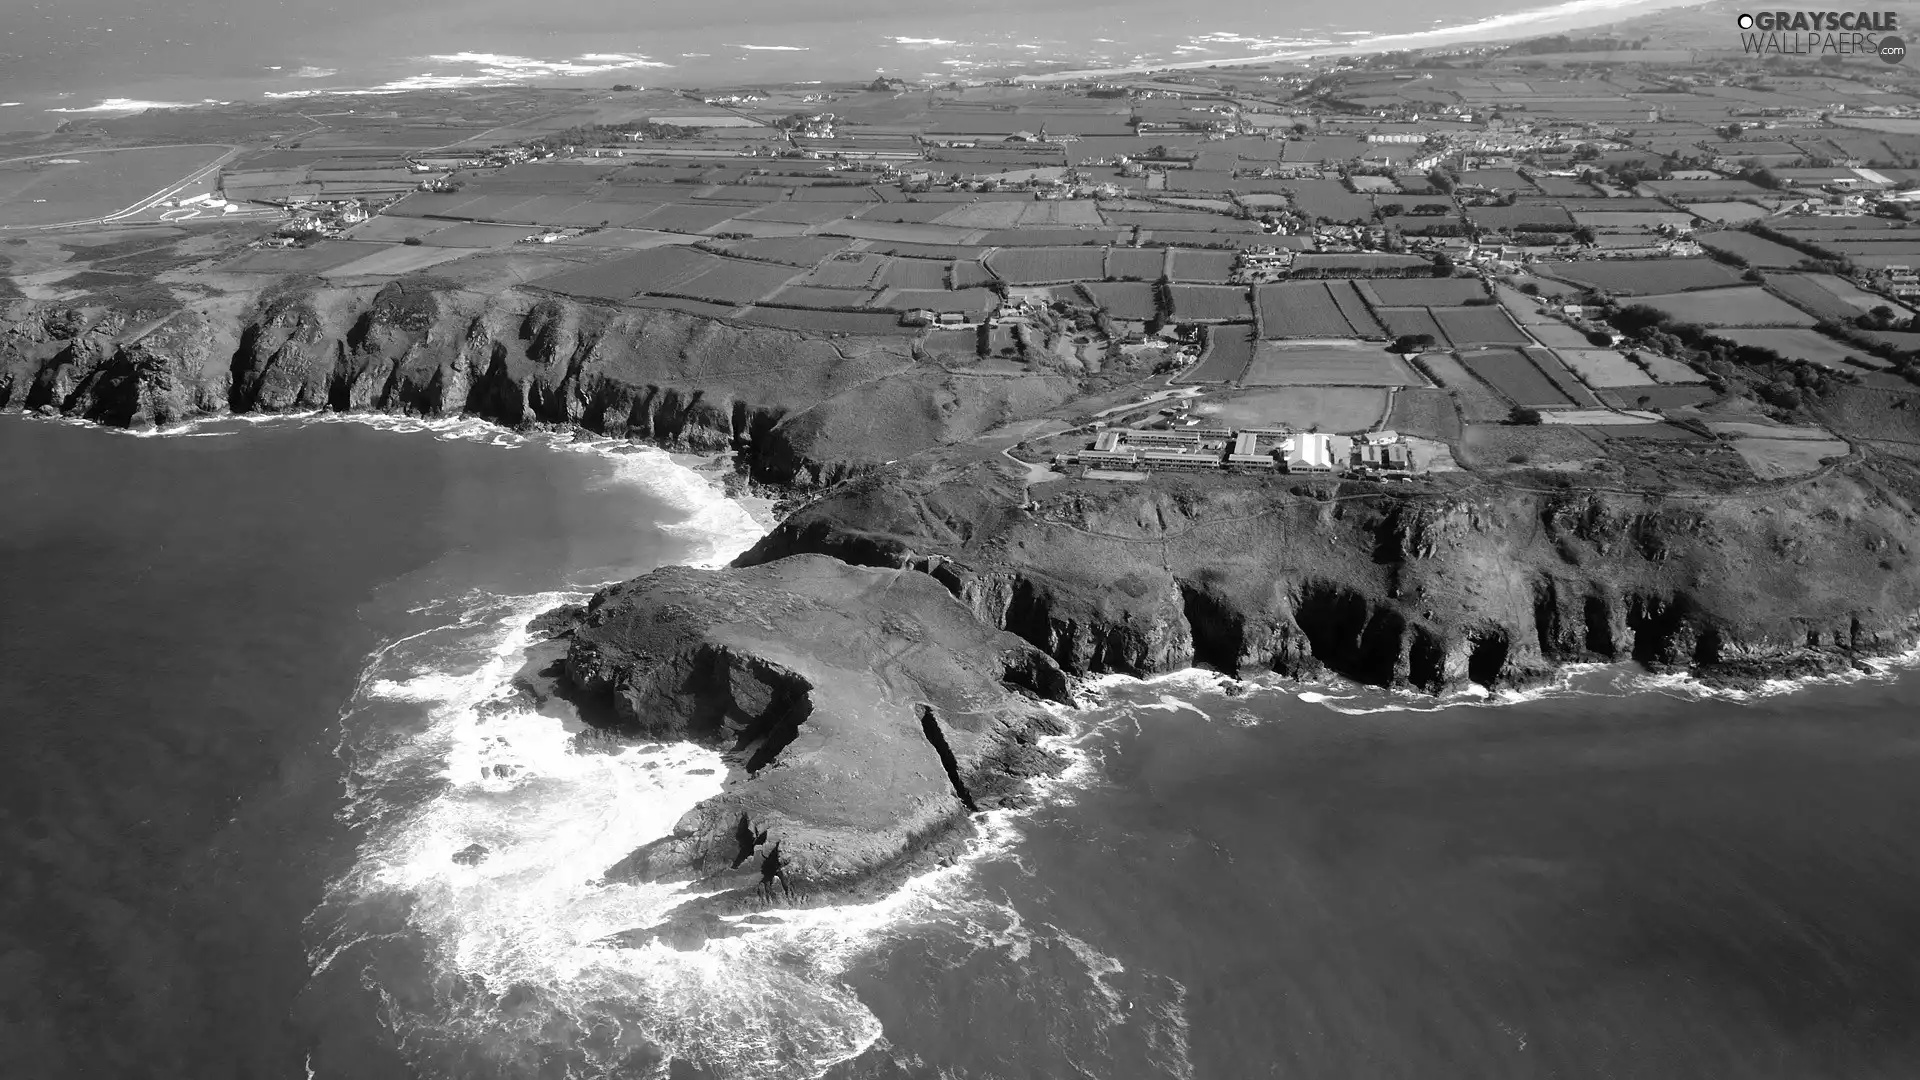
(1320, 408)
(86, 185)
(1326, 363)
(1744, 305)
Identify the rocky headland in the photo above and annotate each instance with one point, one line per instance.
(865, 715)
(873, 667)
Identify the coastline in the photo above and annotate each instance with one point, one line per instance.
(1559, 18)
(574, 73)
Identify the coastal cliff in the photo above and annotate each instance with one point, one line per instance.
(865, 715)
(1496, 586)
(802, 410)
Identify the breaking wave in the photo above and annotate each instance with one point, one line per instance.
(476, 916)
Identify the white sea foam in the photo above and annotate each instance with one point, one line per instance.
(518, 959)
(126, 105)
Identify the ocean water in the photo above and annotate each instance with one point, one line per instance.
(59, 58)
(269, 811)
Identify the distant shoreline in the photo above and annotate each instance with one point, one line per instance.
(1566, 16)
(1571, 15)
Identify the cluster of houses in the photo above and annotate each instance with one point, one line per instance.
(1130, 450)
(323, 217)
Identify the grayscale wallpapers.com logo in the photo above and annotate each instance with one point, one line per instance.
(1822, 34)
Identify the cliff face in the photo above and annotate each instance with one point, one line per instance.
(802, 410)
(865, 714)
(1497, 587)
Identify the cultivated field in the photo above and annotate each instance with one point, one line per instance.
(826, 321)
(1326, 363)
(1135, 264)
(844, 272)
(1314, 309)
(1746, 305)
(791, 250)
(1421, 292)
(1337, 409)
(1641, 276)
(814, 296)
(972, 301)
(652, 271)
(1214, 267)
(1485, 325)
(1209, 303)
(1122, 299)
(1515, 376)
(1557, 335)
(1346, 295)
(902, 273)
(1042, 266)
(1756, 250)
(1668, 370)
(1602, 367)
(1411, 321)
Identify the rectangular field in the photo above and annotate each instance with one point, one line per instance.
(974, 302)
(1640, 276)
(1302, 309)
(1209, 303)
(1755, 250)
(790, 250)
(1211, 267)
(647, 271)
(1123, 299)
(1326, 363)
(1043, 266)
(734, 281)
(1745, 305)
(1485, 325)
(814, 296)
(1135, 264)
(1412, 322)
(913, 274)
(1335, 409)
(1601, 368)
(858, 272)
(1422, 292)
(1515, 376)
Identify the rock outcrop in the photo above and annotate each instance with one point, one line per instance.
(865, 715)
(1494, 586)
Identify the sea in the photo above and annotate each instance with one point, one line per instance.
(267, 810)
(62, 59)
